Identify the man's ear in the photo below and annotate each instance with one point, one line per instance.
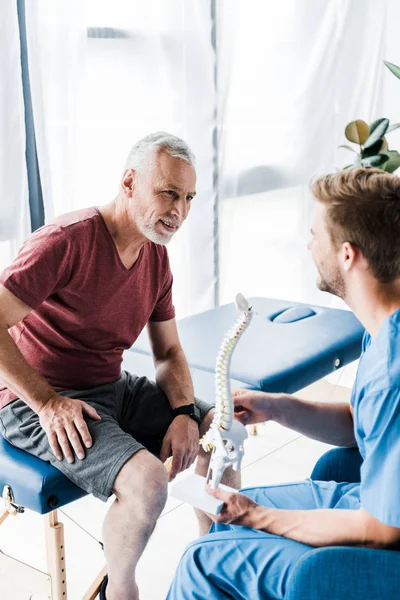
(128, 182)
(352, 256)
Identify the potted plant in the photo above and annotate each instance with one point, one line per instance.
(373, 149)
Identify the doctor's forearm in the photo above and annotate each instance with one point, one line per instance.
(325, 527)
(331, 423)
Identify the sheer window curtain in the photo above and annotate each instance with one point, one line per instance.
(14, 204)
(104, 75)
(315, 67)
(261, 90)
(306, 70)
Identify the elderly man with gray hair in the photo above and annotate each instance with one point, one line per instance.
(78, 294)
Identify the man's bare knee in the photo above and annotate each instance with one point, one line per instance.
(142, 481)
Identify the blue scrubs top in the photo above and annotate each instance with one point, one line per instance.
(376, 412)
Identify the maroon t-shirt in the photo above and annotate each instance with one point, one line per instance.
(87, 307)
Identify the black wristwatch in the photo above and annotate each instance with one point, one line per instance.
(191, 410)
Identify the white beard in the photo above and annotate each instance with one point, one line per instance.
(150, 232)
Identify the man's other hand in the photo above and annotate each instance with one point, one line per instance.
(62, 419)
(182, 440)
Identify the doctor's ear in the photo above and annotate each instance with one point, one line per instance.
(353, 256)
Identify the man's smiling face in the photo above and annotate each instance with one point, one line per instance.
(162, 196)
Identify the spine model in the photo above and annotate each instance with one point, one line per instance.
(226, 435)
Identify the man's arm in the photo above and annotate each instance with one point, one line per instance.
(172, 371)
(60, 417)
(328, 527)
(15, 372)
(330, 422)
(319, 527)
(173, 377)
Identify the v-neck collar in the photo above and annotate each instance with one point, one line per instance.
(115, 249)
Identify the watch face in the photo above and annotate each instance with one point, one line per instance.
(196, 413)
(191, 410)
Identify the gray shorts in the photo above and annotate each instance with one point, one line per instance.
(135, 414)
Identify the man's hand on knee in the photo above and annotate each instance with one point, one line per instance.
(62, 419)
(182, 441)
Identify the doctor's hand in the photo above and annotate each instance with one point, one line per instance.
(237, 509)
(182, 440)
(254, 407)
(62, 419)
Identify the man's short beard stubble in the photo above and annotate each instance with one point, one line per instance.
(149, 230)
(334, 286)
(152, 235)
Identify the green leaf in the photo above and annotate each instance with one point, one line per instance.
(376, 131)
(374, 149)
(394, 68)
(393, 127)
(393, 162)
(375, 161)
(347, 148)
(357, 132)
(384, 145)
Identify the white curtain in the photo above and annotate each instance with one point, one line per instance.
(103, 76)
(14, 207)
(299, 71)
(56, 38)
(263, 113)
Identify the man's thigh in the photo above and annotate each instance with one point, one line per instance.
(240, 563)
(111, 449)
(306, 495)
(143, 410)
(236, 564)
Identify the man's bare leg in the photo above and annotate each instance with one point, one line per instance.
(230, 477)
(141, 493)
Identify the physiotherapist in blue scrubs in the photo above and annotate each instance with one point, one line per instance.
(261, 533)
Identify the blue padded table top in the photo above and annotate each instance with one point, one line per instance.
(35, 483)
(286, 347)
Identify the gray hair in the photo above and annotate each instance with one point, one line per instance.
(153, 142)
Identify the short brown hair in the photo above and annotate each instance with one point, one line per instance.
(363, 208)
